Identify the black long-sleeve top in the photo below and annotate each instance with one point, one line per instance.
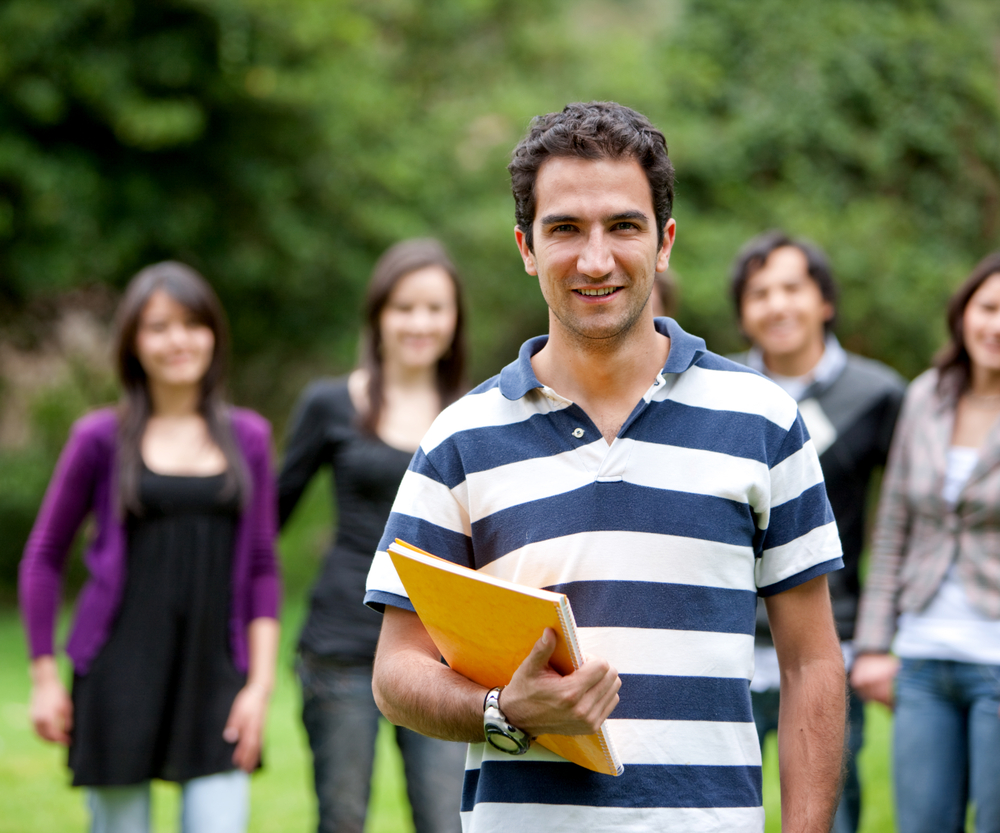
(366, 476)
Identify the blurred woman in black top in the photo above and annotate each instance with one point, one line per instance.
(366, 426)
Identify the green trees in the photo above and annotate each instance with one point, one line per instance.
(133, 132)
(280, 145)
(871, 127)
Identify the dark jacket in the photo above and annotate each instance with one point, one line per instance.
(861, 405)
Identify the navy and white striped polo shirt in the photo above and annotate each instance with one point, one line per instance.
(710, 495)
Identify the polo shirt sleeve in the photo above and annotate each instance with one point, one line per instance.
(428, 513)
(800, 539)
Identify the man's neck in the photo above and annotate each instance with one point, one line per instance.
(606, 377)
(798, 363)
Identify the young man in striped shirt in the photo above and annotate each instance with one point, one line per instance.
(662, 488)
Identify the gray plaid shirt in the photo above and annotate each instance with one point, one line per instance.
(918, 535)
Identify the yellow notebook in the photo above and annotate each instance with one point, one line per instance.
(484, 627)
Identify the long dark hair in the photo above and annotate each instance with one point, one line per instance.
(396, 263)
(953, 362)
(185, 286)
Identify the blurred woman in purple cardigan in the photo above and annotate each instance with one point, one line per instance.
(175, 634)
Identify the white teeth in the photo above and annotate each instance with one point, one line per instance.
(606, 291)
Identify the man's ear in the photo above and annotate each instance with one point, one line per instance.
(526, 254)
(663, 256)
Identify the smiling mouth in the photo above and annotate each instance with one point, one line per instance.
(592, 293)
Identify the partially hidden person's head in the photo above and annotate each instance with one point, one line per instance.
(973, 328)
(593, 131)
(414, 316)
(784, 293)
(664, 297)
(171, 333)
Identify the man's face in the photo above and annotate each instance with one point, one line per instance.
(783, 310)
(595, 245)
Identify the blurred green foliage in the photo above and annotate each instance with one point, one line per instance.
(280, 145)
(24, 473)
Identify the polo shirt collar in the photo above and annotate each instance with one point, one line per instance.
(517, 378)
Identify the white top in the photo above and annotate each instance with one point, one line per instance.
(960, 462)
(950, 628)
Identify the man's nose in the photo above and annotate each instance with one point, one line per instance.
(777, 301)
(596, 259)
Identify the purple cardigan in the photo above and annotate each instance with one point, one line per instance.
(84, 483)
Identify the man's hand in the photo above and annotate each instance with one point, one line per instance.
(413, 688)
(540, 701)
(50, 709)
(873, 675)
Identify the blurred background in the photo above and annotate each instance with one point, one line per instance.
(280, 145)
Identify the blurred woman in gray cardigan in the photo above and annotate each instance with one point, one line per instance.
(932, 594)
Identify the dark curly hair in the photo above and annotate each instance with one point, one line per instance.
(597, 130)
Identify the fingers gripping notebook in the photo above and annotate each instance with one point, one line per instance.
(484, 627)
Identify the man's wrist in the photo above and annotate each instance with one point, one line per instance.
(499, 732)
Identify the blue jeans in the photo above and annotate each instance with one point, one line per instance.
(946, 746)
(341, 719)
(765, 715)
(211, 804)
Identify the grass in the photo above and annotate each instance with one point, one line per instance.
(35, 793)
(34, 783)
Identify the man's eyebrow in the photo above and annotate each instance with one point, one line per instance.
(557, 219)
(641, 216)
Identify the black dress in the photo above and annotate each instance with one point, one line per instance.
(157, 697)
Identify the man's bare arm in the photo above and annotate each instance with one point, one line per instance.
(414, 689)
(812, 717)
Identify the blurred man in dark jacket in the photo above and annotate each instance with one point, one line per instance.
(785, 298)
